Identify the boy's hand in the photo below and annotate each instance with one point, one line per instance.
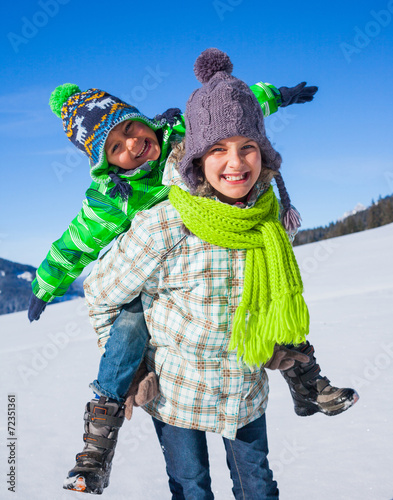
(36, 307)
(170, 115)
(284, 358)
(143, 389)
(299, 94)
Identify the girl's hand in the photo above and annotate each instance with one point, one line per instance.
(284, 358)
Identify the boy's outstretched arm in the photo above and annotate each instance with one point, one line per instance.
(271, 98)
(96, 225)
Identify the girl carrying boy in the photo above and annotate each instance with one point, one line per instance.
(221, 293)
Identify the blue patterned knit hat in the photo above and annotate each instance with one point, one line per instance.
(89, 116)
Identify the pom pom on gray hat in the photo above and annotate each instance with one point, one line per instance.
(210, 62)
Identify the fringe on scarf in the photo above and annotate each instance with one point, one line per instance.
(255, 334)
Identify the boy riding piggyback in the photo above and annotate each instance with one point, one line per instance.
(127, 152)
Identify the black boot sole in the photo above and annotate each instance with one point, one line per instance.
(307, 408)
(87, 482)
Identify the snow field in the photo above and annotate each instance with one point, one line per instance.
(349, 289)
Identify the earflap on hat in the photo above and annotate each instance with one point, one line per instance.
(290, 217)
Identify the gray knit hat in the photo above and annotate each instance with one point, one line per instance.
(224, 107)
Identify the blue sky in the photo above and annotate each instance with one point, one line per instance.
(337, 151)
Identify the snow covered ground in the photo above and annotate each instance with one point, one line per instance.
(349, 289)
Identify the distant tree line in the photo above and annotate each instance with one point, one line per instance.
(15, 287)
(378, 214)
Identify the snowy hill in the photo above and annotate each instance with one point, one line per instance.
(349, 289)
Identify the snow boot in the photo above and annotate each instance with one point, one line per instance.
(91, 473)
(312, 393)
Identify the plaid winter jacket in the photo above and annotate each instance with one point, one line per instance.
(190, 290)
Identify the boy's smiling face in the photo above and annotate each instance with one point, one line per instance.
(131, 144)
(232, 167)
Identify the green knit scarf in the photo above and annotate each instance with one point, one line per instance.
(272, 309)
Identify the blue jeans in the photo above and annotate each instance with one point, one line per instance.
(187, 462)
(124, 352)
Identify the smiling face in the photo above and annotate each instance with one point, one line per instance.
(130, 144)
(232, 167)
